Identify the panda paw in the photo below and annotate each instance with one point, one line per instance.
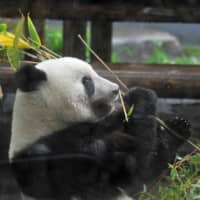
(143, 99)
(140, 93)
(181, 126)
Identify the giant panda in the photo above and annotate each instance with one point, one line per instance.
(70, 140)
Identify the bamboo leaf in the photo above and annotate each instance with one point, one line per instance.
(14, 58)
(19, 31)
(7, 40)
(130, 111)
(3, 28)
(33, 33)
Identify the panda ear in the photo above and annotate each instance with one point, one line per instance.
(28, 78)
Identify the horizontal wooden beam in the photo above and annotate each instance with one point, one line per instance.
(165, 11)
(168, 80)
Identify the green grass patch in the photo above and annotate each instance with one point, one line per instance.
(183, 182)
(192, 50)
(54, 39)
(160, 56)
(114, 58)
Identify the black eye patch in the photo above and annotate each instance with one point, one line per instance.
(88, 85)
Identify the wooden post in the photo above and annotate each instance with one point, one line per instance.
(71, 44)
(36, 13)
(101, 39)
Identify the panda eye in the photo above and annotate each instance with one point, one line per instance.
(88, 85)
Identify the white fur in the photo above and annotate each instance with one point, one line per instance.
(25, 197)
(59, 101)
(124, 197)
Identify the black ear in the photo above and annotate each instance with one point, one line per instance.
(28, 78)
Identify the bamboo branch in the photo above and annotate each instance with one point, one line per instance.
(162, 123)
(31, 55)
(102, 62)
(45, 50)
(123, 106)
(50, 51)
(29, 62)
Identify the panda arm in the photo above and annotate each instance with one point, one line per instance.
(143, 99)
(156, 145)
(179, 130)
(168, 143)
(130, 144)
(145, 103)
(141, 124)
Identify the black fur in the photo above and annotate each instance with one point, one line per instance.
(28, 78)
(92, 160)
(88, 85)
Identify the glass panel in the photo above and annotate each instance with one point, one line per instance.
(160, 43)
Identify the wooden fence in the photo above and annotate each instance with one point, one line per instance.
(168, 81)
(101, 14)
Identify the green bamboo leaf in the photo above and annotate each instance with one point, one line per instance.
(19, 30)
(36, 42)
(170, 166)
(3, 28)
(130, 111)
(14, 58)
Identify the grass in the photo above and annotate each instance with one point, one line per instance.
(192, 50)
(191, 55)
(54, 41)
(159, 56)
(183, 182)
(114, 58)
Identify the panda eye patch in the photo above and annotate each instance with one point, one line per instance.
(88, 85)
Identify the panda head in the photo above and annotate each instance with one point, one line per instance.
(69, 87)
(55, 93)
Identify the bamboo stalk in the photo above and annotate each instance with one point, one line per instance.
(29, 62)
(108, 68)
(42, 49)
(34, 49)
(31, 55)
(123, 106)
(47, 50)
(162, 123)
(103, 63)
(46, 54)
(50, 51)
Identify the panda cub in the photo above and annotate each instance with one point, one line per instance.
(70, 141)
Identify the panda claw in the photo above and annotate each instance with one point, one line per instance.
(180, 125)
